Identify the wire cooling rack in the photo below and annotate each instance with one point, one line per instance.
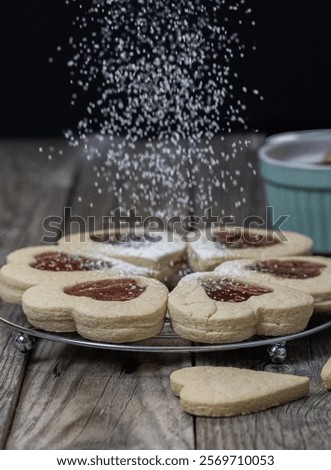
(167, 341)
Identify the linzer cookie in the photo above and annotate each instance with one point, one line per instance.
(27, 267)
(210, 308)
(111, 309)
(228, 391)
(311, 274)
(213, 247)
(161, 252)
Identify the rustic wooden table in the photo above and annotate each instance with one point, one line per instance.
(66, 397)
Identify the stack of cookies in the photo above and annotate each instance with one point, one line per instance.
(217, 245)
(35, 265)
(309, 274)
(161, 253)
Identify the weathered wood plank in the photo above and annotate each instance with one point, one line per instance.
(75, 398)
(94, 199)
(12, 364)
(236, 165)
(303, 424)
(238, 192)
(32, 188)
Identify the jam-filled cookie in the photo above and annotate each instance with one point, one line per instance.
(163, 252)
(229, 391)
(111, 309)
(27, 267)
(210, 308)
(311, 274)
(210, 248)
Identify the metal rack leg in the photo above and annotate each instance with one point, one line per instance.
(24, 342)
(277, 352)
(277, 355)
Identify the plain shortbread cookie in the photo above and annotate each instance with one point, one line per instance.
(229, 391)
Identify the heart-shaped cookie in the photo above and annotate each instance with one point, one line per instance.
(35, 265)
(311, 274)
(107, 308)
(210, 308)
(214, 246)
(160, 251)
(229, 391)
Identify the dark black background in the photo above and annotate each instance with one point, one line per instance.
(291, 67)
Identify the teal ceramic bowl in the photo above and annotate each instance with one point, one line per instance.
(298, 185)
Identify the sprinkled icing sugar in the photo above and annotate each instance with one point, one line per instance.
(230, 290)
(206, 248)
(122, 266)
(161, 84)
(146, 249)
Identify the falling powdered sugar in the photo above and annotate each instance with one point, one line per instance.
(162, 88)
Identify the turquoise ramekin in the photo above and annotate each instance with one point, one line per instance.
(298, 185)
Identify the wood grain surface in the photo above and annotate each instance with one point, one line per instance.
(31, 188)
(65, 397)
(302, 424)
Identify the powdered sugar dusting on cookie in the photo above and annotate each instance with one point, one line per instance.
(122, 266)
(234, 268)
(149, 250)
(162, 245)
